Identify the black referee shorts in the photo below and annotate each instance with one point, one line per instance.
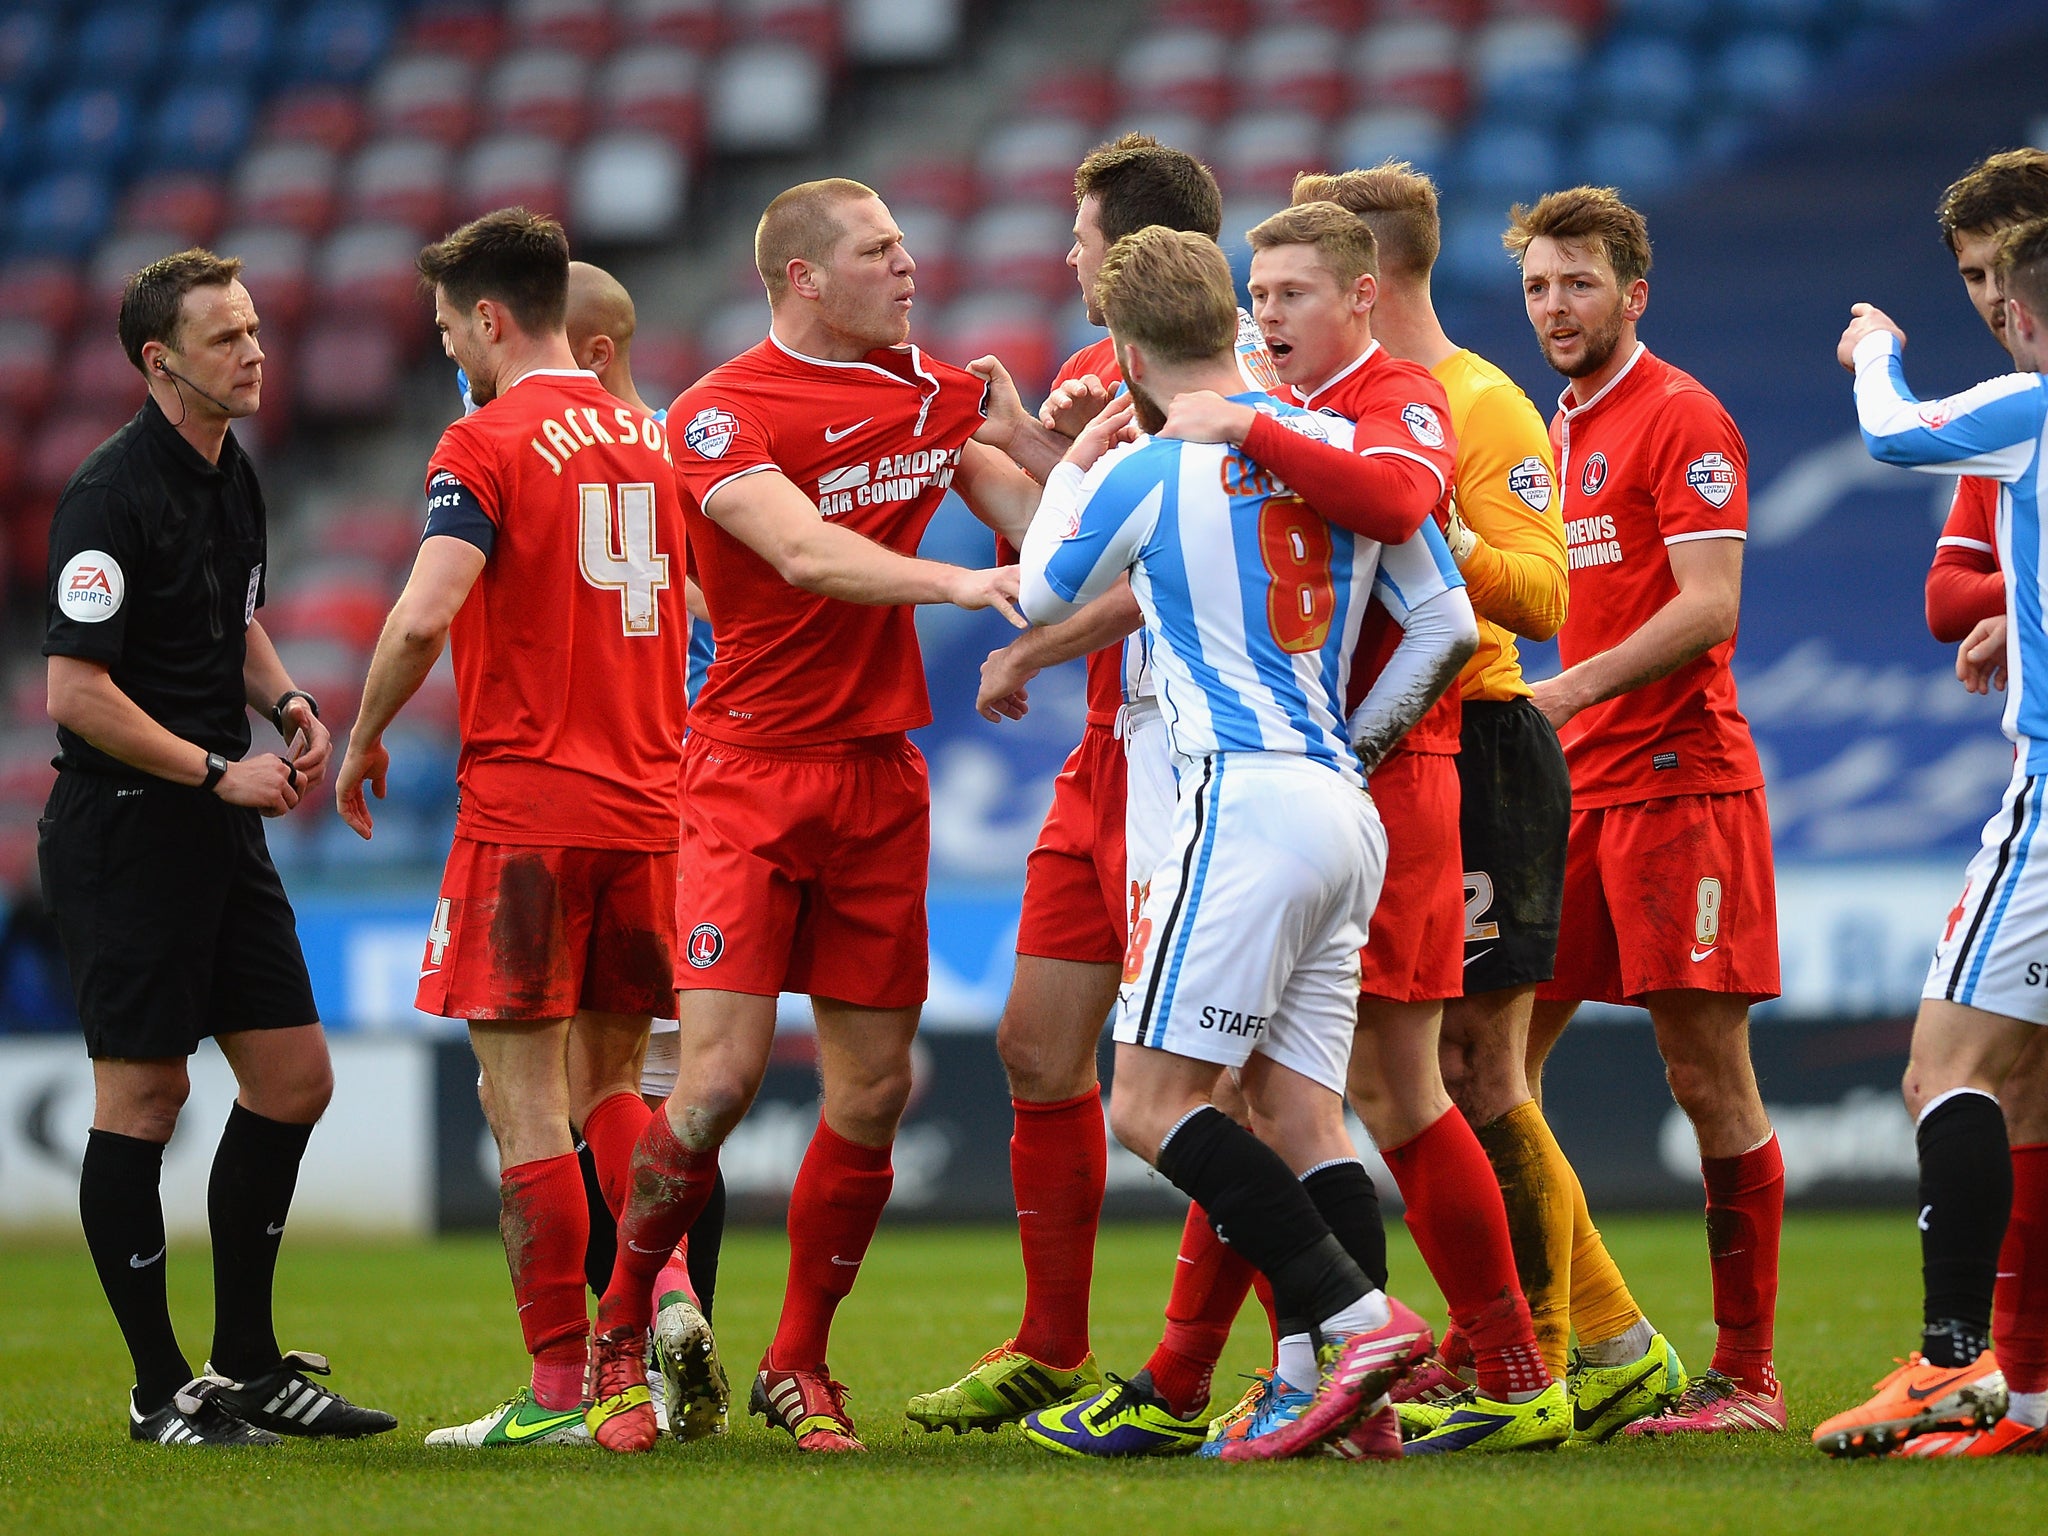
(1514, 820)
(174, 923)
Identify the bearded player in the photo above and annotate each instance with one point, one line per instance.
(550, 560)
(811, 465)
(1669, 898)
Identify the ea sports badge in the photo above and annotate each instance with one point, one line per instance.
(1594, 475)
(1423, 424)
(711, 432)
(90, 587)
(1713, 477)
(705, 946)
(1530, 480)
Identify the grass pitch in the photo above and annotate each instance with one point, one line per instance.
(427, 1332)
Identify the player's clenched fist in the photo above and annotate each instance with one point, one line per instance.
(994, 588)
(268, 784)
(1203, 416)
(1005, 407)
(1003, 679)
(1869, 320)
(360, 765)
(1113, 426)
(1072, 405)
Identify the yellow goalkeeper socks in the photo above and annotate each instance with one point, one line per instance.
(1536, 1186)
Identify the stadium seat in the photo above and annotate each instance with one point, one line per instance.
(341, 600)
(382, 533)
(97, 378)
(1399, 133)
(883, 33)
(237, 39)
(275, 269)
(579, 27)
(28, 366)
(728, 329)
(1759, 71)
(1338, 15)
(946, 184)
(1526, 68)
(366, 272)
(1014, 329)
(511, 169)
(1638, 159)
(118, 259)
(1228, 18)
(1258, 153)
(17, 130)
(1508, 161)
(403, 180)
(1180, 69)
(665, 363)
(1649, 79)
(693, 24)
(58, 448)
(199, 127)
(28, 49)
(1783, 15)
(1414, 63)
(89, 129)
(1033, 159)
(330, 116)
(348, 371)
(1672, 18)
(1299, 68)
(426, 95)
(117, 45)
(931, 235)
(540, 90)
(1583, 16)
(338, 42)
(294, 184)
(629, 187)
(473, 29)
(1086, 94)
(1019, 248)
(190, 204)
(1472, 257)
(766, 97)
(60, 215)
(812, 25)
(657, 88)
(1183, 130)
(45, 289)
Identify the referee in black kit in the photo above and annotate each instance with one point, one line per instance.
(174, 922)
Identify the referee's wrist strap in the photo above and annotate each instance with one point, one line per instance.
(283, 702)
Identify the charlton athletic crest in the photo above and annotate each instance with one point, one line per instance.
(711, 432)
(1594, 475)
(705, 946)
(1713, 477)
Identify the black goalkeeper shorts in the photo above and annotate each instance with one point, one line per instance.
(174, 923)
(1514, 819)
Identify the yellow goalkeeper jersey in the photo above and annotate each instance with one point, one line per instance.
(1507, 493)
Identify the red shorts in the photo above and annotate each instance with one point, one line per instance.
(1668, 895)
(538, 933)
(1076, 890)
(804, 870)
(1415, 946)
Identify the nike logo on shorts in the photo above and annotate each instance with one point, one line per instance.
(1700, 954)
(650, 1252)
(833, 436)
(846, 1263)
(137, 1261)
(1480, 956)
(275, 1231)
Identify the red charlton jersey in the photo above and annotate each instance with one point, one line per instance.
(1651, 461)
(1399, 407)
(570, 649)
(1965, 585)
(1106, 666)
(875, 444)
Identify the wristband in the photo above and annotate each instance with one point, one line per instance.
(216, 766)
(277, 709)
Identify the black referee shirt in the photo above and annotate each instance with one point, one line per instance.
(156, 569)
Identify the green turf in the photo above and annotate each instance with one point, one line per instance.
(427, 1332)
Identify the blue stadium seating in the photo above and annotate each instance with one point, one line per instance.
(60, 215)
(1761, 70)
(199, 127)
(28, 47)
(1647, 78)
(237, 38)
(1639, 159)
(90, 129)
(338, 42)
(1509, 160)
(119, 44)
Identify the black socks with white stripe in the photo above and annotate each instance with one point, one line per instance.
(255, 1171)
(1965, 1199)
(122, 1211)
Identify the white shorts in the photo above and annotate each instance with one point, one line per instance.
(1248, 940)
(664, 1055)
(1151, 793)
(1993, 952)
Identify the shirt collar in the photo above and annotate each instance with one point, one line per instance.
(1564, 399)
(188, 458)
(1341, 374)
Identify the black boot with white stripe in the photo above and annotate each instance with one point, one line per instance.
(194, 1416)
(285, 1403)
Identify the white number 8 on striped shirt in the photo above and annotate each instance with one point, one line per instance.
(627, 564)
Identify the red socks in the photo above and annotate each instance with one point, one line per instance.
(1059, 1160)
(1210, 1279)
(839, 1194)
(671, 1183)
(611, 1131)
(1461, 1226)
(2019, 1307)
(1745, 1214)
(546, 1226)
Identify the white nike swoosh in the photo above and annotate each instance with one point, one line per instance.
(845, 1263)
(1181, 1258)
(650, 1252)
(137, 1261)
(274, 1231)
(833, 437)
(1700, 954)
(432, 970)
(1480, 956)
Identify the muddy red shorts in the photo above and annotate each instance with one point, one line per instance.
(538, 933)
(1077, 900)
(1415, 947)
(804, 870)
(1669, 895)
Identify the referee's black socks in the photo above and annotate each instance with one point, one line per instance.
(1965, 1200)
(255, 1170)
(121, 1207)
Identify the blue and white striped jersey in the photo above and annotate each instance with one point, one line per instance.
(1995, 430)
(1252, 601)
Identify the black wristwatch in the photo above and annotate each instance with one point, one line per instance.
(277, 709)
(216, 766)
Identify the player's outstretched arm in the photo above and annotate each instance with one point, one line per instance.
(1010, 429)
(1991, 430)
(766, 512)
(1437, 638)
(1002, 495)
(1703, 614)
(414, 633)
(1007, 672)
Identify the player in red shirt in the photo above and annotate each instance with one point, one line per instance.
(552, 563)
(810, 466)
(1669, 896)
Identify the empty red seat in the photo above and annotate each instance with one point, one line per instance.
(1410, 64)
(383, 534)
(401, 180)
(116, 261)
(328, 115)
(294, 184)
(1017, 331)
(342, 601)
(540, 90)
(812, 25)
(275, 270)
(664, 365)
(1259, 153)
(1295, 68)
(62, 443)
(581, 27)
(1340, 15)
(1459, 13)
(47, 289)
(1582, 14)
(426, 95)
(28, 365)
(943, 183)
(1032, 160)
(1181, 69)
(1226, 16)
(766, 96)
(511, 169)
(97, 376)
(189, 206)
(1179, 130)
(331, 669)
(692, 24)
(1021, 248)
(656, 87)
(1086, 94)
(366, 270)
(475, 29)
